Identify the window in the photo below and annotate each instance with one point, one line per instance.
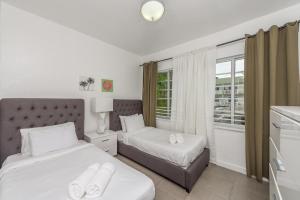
(229, 98)
(164, 94)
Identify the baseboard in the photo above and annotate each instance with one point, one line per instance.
(263, 179)
(230, 166)
(235, 168)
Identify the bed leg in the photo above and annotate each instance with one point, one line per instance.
(187, 190)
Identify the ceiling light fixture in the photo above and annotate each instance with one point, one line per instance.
(152, 10)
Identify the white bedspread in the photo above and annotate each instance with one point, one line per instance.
(47, 177)
(155, 142)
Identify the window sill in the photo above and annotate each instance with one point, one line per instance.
(230, 127)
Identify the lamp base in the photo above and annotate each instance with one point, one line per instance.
(101, 123)
(100, 132)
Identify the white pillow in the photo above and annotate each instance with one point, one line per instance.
(122, 119)
(134, 123)
(141, 120)
(123, 124)
(26, 147)
(51, 139)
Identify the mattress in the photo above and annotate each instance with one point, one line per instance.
(155, 142)
(47, 177)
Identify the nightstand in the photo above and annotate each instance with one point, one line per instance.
(106, 141)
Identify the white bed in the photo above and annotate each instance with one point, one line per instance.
(47, 177)
(155, 142)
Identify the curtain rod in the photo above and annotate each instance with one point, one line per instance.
(161, 60)
(222, 44)
(219, 45)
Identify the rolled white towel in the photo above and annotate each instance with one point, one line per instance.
(172, 139)
(179, 138)
(98, 184)
(78, 186)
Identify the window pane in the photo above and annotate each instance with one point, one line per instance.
(239, 65)
(223, 92)
(223, 68)
(164, 94)
(239, 114)
(162, 103)
(162, 76)
(162, 85)
(162, 108)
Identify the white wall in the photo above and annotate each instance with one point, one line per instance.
(230, 149)
(230, 143)
(40, 58)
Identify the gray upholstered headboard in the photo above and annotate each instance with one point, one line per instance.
(123, 107)
(19, 113)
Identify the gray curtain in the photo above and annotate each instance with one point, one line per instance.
(271, 78)
(149, 93)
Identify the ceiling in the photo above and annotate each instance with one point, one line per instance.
(119, 22)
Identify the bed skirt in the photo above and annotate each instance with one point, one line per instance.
(186, 178)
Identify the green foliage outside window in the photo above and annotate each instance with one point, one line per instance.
(164, 94)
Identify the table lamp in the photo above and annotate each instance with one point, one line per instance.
(102, 105)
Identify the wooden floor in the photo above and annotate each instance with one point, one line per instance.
(216, 183)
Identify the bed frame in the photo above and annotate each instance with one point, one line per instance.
(18, 113)
(186, 178)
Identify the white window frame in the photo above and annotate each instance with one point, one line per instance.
(232, 59)
(168, 95)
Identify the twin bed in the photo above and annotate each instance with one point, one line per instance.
(181, 164)
(47, 176)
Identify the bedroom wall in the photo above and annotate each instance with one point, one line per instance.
(230, 142)
(40, 58)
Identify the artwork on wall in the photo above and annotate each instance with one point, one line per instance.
(86, 83)
(107, 85)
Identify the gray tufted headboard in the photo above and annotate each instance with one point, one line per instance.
(18, 113)
(123, 107)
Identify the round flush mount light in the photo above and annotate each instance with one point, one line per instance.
(152, 10)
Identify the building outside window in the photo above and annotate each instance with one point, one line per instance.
(229, 97)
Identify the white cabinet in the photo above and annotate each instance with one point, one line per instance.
(106, 141)
(285, 153)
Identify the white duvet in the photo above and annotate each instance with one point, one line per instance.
(47, 177)
(155, 142)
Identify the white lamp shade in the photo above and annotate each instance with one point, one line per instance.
(102, 104)
(152, 10)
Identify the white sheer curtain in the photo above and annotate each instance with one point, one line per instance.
(194, 76)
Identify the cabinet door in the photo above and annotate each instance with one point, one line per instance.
(276, 161)
(274, 191)
(284, 155)
(275, 124)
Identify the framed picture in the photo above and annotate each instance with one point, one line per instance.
(86, 83)
(107, 85)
